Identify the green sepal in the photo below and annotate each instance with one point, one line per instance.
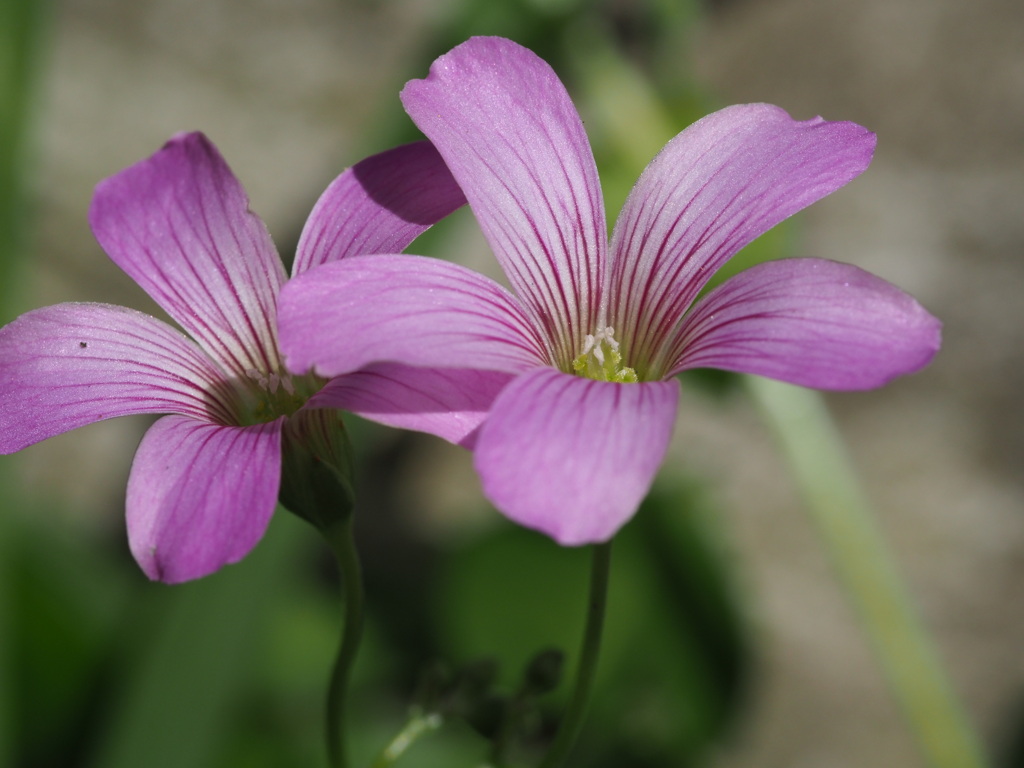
(316, 471)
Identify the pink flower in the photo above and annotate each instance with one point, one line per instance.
(595, 330)
(205, 479)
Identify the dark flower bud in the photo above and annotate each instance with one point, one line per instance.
(544, 672)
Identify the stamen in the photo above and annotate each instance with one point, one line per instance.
(601, 360)
(271, 382)
(258, 377)
(274, 394)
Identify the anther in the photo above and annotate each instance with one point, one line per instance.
(600, 358)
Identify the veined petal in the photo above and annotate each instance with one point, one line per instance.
(412, 310)
(200, 495)
(574, 457)
(504, 123)
(715, 187)
(379, 205)
(811, 322)
(179, 224)
(69, 365)
(450, 404)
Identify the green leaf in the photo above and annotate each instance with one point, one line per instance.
(22, 28)
(175, 710)
(509, 595)
(677, 691)
(675, 655)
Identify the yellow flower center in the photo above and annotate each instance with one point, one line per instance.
(601, 359)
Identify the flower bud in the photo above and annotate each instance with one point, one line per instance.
(544, 672)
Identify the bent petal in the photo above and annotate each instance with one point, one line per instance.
(811, 322)
(402, 309)
(573, 457)
(200, 496)
(179, 224)
(69, 365)
(715, 187)
(379, 205)
(513, 139)
(450, 404)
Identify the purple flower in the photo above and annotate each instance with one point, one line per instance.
(205, 479)
(595, 330)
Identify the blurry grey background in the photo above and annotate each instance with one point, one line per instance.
(290, 92)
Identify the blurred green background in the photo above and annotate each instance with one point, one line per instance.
(729, 641)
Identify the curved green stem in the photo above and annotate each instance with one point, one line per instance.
(343, 544)
(572, 722)
(862, 560)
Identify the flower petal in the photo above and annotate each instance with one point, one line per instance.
(450, 404)
(200, 496)
(513, 139)
(812, 322)
(402, 309)
(573, 457)
(715, 187)
(69, 365)
(179, 224)
(379, 205)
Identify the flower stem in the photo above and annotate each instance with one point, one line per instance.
(342, 543)
(572, 722)
(418, 725)
(865, 567)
